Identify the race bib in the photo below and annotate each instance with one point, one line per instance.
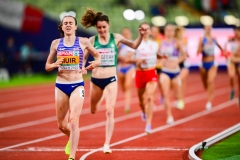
(150, 62)
(70, 61)
(209, 49)
(107, 56)
(168, 51)
(234, 47)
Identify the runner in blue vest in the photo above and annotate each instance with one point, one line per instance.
(69, 90)
(208, 67)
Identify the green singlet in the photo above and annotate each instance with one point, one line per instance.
(108, 52)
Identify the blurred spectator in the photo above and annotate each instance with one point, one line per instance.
(25, 59)
(124, 2)
(158, 9)
(10, 54)
(169, 2)
(4, 76)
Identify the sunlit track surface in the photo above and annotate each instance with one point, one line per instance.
(28, 127)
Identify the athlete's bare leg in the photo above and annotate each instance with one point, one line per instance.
(210, 82)
(110, 94)
(76, 103)
(203, 74)
(96, 94)
(140, 92)
(166, 85)
(128, 88)
(62, 108)
(149, 100)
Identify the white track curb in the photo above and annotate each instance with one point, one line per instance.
(212, 140)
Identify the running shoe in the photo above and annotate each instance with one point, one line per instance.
(170, 120)
(180, 105)
(161, 100)
(143, 116)
(67, 148)
(208, 106)
(106, 149)
(232, 94)
(127, 109)
(148, 128)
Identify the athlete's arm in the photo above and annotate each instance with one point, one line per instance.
(90, 49)
(235, 57)
(225, 50)
(50, 65)
(183, 55)
(200, 47)
(120, 39)
(85, 57)
(218, 45)
(161, 55)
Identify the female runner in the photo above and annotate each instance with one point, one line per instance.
(179, 35)
(146, 76)
(69, 90)
(158, 37)
(232, 45)
(235, 59)
(103, 80)
(208, 68)
(126, 70)
(172, 53)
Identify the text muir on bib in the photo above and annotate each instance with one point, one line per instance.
(70, 61)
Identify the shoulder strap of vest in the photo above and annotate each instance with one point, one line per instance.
(96, 40)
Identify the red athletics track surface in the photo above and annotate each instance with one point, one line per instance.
(28, 128)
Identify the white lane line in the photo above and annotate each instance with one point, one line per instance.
(119, 104)
(99, 124)
(118, 119)
(181, 121)
(38, 108)
(46, 149)
(13, 104)
(24, 101)
(46, 107)
(53, 118)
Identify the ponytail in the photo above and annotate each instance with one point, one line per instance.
(90, 18)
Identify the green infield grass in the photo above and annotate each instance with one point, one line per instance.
(227, 149)
(35, 79)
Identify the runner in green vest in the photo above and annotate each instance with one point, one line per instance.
(103, 80)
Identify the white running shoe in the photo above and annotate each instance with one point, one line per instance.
(208, 105)
(106, 149)
(170, 120)
(148, 128)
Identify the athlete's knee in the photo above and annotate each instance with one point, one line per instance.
(62, 127)
(210, 81)
(149, 98)
(74, 122)
(110, 112)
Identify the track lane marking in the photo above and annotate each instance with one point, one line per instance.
(44, 107)
(48, 149)
(118, 119)
(87, 110)
(180, 121)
